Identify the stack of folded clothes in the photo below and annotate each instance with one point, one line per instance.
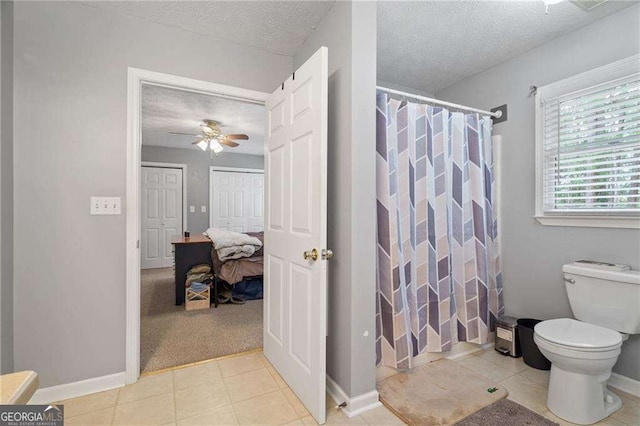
(199, 277)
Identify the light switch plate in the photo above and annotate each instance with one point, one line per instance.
(203, 209)
(106, 206)
(192, 209)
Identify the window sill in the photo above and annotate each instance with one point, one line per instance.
(591, 221)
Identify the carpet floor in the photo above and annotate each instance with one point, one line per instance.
(506, 412)
(171, 336)
(442, 392)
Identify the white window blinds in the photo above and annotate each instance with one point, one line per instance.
(591, 149)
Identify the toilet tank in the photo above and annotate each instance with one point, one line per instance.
(608, 296)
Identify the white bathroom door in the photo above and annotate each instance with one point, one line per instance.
(161, 209)
(295, 288)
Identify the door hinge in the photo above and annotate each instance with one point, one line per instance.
(137, 244)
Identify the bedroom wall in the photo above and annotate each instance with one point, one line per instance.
(70, 128)
(198, 164)
(6, 187)
(532, 254)
(349, 31)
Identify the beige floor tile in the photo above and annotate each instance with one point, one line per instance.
(146, 387)
(279, 380)
(625, 395)
(157, 410)
(240, 364)
(383, 372)
(381, 416)
(527, 393)
(296, 422)
(297, 405)
(629, 413)
(197, 375)
(95, 418)
(200, 399)
(89, 403)
(308, 420)
(271, 408)
(540, 377)
(481, 366)
(219, 416)
(516, 365)
(247, 385)
(264, 360)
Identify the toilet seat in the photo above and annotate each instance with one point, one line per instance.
(578, 335)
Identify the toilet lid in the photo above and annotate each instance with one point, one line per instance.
(569, 332)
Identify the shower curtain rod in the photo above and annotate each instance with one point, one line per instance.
(496, 114)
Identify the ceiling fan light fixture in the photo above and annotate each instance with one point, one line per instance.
(203, 144)
(216, 147)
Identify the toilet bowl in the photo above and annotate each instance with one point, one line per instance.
(582, 356)
(604, 300)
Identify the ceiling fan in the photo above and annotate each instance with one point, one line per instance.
(213, 138)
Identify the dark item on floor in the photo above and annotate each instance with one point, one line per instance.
(249, 289)
(506, 412)
(507, 339)
(188, 252)
(530, 352)
(439, 393)
(224, 292)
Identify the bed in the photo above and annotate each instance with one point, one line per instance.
(236, 272)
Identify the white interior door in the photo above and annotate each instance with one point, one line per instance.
(237, 200)
(161, 208)
(295, 314)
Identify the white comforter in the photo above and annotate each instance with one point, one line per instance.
(232, 245)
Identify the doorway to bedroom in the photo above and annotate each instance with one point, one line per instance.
(201, 219)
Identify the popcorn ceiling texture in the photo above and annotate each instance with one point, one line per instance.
(431, 45)
(279, 27)
(167, 110)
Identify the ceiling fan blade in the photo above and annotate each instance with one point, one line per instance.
(187, 134)
(227, 142)
(241, 137)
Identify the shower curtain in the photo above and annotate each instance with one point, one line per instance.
(438, 274)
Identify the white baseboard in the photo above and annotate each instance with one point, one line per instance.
(75, 389)
(356, 405)
(479, 348)
(625, 384)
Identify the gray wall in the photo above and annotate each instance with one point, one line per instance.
(349, 31)
(534, 254)
(198, 164)
(6, 188)
(70, 137)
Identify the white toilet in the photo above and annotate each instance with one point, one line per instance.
(605, 300)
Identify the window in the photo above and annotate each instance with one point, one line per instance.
(588, 148)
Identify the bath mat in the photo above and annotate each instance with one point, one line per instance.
(506, 412)
(440, 393)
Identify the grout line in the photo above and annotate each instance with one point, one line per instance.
(115, 407)
(175, 404)
(193, 364)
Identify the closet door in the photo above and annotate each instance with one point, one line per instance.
(237, 201)
(162, 214)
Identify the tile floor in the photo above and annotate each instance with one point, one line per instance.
(246, 390)
(242, 390)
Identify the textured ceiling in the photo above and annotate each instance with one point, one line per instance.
(279, 27)
(431, 45)
(170, 110)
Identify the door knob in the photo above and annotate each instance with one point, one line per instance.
(327, 254)
(311, 254)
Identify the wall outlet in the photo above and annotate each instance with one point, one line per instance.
(192, 209)
(105, 206)
(203, 209)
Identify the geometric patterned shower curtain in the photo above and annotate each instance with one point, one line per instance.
(438, 273)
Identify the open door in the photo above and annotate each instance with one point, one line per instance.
(295, 269)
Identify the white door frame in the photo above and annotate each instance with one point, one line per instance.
(135, 79)
(224, 169)
(184, 184)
